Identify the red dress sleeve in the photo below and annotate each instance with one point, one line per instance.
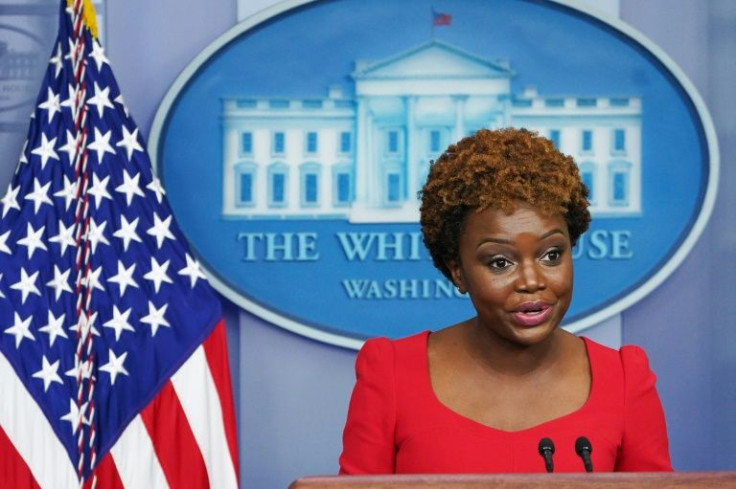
(644, 447)
(368, 438)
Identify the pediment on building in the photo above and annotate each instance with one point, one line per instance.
(434, 59)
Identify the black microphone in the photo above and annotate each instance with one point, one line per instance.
(546, 450)
(583, 448)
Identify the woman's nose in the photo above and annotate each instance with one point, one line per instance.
(531, 278)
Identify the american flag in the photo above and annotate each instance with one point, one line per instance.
(441, 18)
(113, 362)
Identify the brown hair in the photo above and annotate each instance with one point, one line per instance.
(498, 169)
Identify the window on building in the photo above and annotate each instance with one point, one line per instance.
(245, 179)
(345, 142)
(435, 140)
(310, 184)
(311, 142)
(277, 184)
(342, 184)
(393, 187)
(619, 140)
(343, 188)
(554, 136)
(619, 172)
(246, 143)
(279, 142)
(392, 142)
(587, 175)
(587, 143)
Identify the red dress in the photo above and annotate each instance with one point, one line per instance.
(396, 424)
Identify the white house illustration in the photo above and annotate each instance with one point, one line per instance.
(365, 157)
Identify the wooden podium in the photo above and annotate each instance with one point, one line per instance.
(659, 480)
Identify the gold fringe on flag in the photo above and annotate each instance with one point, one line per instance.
(88, 16)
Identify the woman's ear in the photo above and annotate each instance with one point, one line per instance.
(456, 273)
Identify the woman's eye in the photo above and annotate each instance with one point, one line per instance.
(553, 256)
(499, 263)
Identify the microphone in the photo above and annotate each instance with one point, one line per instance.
(546, 450)
(583, 448)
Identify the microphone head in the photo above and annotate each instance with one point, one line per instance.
(546, 446)
(582, 444)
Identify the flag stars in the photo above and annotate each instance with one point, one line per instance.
(57, 61)
(130, 187)
(97, 234)
(33, 239)
(40, 195)
(114, 365)
(72, 101)
(60, 282)
(21, 329)
(85, 325)
(99, 189)
(127, 232)
(70, 148)
(156, 188)
(51, 105)
(157, 275)
(192, 271)
(10, 199)
(124, 277)
(119, 322)
(46, 150)
(80, 371)
(155, 318)
(48, 373)
(54, 327)
(130, 142)
(3, 242)
(101, 99)
(92, 280)
(98, 54)
(160, 229)
(101, 144)
(75, 415)
(68, 193)
(119, 99)
(65, 237)
(26, 285)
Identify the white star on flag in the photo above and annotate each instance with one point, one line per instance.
(114, 366)
(160, 229)
(99, 189)
(157, 275)
(10, 199)
(65, 236)
(155, 317)
(33, 239)
(48, 373)
(127, 231)
(130, 142)
(75, 415)
(3, 242)
(124, 277)
(40, 195)
(119, 322)
(60, 282)
(26, 285)
(21, 329)
(68, 193)
(54, 327)
(51, 104)
(46, 150)
(130, 187)
(101, 144)
(192, 270)
(101, 99)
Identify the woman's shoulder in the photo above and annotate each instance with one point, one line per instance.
(383, 346)
(628, 358)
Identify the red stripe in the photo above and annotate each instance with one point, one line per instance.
(14, 471)
(215, 349)
(173, 441)
(106, 474)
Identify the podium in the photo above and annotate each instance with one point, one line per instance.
(621, 480)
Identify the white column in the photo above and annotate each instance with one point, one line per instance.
(411, 149)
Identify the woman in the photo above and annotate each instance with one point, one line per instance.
(500, 213)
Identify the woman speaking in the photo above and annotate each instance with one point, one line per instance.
(507, 390)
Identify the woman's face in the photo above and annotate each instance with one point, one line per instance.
(517, 270)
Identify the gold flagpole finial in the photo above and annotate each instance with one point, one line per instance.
(89, 16)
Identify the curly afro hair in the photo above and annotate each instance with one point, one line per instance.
(498, 169)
